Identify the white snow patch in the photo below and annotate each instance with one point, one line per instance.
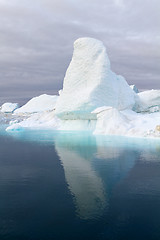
(41, 103)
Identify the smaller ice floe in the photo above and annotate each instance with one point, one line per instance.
(41, 103)
(148, 101)
(134, 88)
(9, 107)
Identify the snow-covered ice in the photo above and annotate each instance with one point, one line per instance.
(127, 123)
(110, 121)
(148, 101)
(41, 103)
(8, 107)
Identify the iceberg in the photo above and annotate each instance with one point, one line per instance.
(94, 99)
(89, 83)
(9, 107)
(41, 103)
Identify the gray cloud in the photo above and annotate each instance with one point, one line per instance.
(36, 40)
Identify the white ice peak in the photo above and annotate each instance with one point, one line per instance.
(89, 83)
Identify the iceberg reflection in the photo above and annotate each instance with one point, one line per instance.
(91, 185)
(83, 181)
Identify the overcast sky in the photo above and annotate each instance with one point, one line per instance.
(36, 41)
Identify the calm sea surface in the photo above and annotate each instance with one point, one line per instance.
(60, 186)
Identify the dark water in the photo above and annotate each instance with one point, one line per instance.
(76, 186)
